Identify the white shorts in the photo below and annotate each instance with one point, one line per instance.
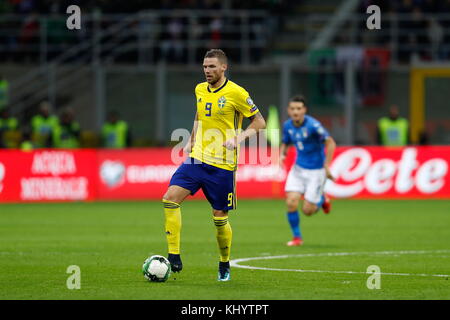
(309, 182)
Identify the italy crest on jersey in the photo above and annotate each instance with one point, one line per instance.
(305, 133)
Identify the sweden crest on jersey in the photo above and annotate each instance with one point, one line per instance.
(221, 103)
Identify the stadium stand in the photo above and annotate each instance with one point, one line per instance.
(256, 33)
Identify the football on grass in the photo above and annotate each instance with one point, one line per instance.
(156, 268)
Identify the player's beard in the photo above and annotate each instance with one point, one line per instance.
(213, 80)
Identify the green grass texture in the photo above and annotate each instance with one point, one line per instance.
(408, 240)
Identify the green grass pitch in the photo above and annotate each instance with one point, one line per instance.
(109, 241)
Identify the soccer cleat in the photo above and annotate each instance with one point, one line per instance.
(326, 205)
(175, 262)
(296, 242)
(224, 271)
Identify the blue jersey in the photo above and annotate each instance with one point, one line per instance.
(309, 141)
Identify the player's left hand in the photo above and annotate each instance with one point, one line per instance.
(230, 144)
(328, 173)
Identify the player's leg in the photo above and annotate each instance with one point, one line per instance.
(219, 188)
(309, 208)
(182, 184)
(294, 188)
(314, 194)
(326, 204)
(172, 200)
(292, 202)
(224, 236)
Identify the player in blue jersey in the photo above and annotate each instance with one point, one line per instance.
(315, 149)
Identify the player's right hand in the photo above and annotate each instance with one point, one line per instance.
(230, 144)
(329, 174)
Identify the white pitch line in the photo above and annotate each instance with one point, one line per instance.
(235, 262)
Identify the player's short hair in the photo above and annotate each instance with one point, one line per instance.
(217, 53)
(298, 98)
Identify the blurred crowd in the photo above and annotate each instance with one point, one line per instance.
(47, 130)
(21, 36)
(421, 31)
(120, 6)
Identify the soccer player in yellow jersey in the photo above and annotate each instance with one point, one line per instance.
(213, 154)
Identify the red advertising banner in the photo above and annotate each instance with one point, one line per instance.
(47, 175)
(366, 172)
(378, 172)
(146, 173)
(360, 172)
(134, 173)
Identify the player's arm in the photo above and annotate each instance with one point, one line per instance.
(283, 152)
(285, 142)
(330, 146)
(191, 141)
(257, 123)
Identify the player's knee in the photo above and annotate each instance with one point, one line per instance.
(220, 213)
(292, 207)
(166, 197)
(291, 204)
(169, 196)
(309, 208)
(309, 211)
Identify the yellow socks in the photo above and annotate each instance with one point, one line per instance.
(224, 235)
(173, 229)
(172, 212)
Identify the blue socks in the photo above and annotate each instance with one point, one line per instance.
(294, 222)
(322, 200)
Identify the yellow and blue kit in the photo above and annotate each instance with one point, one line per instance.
(210, 166)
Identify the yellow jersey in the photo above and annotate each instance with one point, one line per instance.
(220, 113)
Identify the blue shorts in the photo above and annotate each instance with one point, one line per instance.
(217, 184)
